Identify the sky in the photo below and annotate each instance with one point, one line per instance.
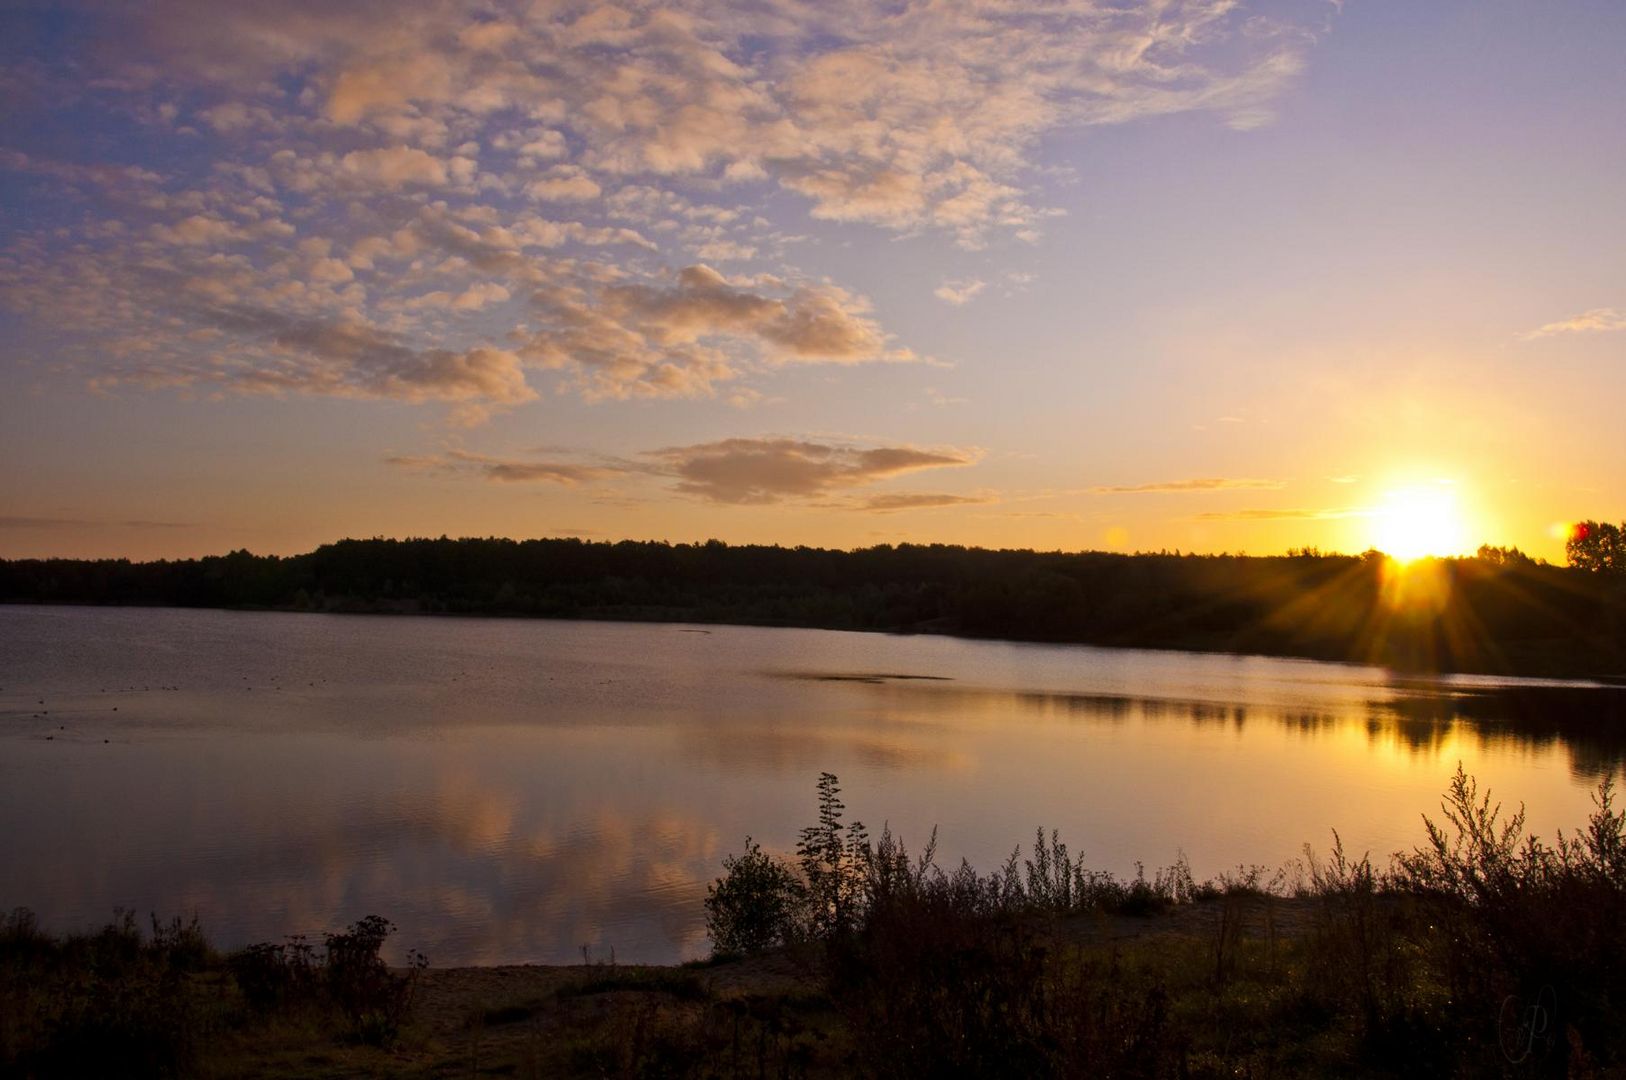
(1195, 275)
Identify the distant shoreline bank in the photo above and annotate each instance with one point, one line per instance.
(1495, 614)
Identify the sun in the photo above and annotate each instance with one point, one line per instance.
(1419, 521)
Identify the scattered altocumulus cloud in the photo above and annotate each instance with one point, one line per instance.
(678, 337)
(959, 293)
(479, 203)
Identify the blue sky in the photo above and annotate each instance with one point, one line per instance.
(1197, 275)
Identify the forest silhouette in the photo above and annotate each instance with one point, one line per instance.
(1497, 612)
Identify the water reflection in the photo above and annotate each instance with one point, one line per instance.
(1587, 721)
(461, 850)
(512, 791)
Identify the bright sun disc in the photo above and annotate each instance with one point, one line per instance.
(1416, 522)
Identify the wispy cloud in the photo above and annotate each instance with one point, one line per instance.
(1279, 515)
(769, 470)
(1598, 320)
(81, 523)
(906, 500)
(505, 470)
(1203, 484)
(739, 471)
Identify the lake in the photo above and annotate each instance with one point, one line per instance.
(515, 790)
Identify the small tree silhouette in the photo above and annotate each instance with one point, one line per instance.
(757, 904)
(1597, 546)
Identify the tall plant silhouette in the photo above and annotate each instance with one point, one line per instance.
(835, 864)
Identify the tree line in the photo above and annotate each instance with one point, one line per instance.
(1497, 611)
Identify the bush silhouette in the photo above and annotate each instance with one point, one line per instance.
(759, 903)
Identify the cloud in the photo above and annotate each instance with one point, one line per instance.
(355, 358)
(1205, 484)
(563, 183)
(1277, 515)
(769, 470)
(1258, 515)
(726, 251)
(271, 353)
(913, 116)
(506, 471)
(959, 292)
(60, 523)
(567, 171)
(416, 462)
(395, 166)
(739, 471)
(115, 177)
(1598, 320)
(681, 338)
(199, 230)
(476, 296)
(908, 500)
(530, 472)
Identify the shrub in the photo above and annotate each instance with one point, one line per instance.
(758, 903)
(1525, 922)
(373, 999)
(102, 1004)
(761, 902)
(273, 977)
(348, 976)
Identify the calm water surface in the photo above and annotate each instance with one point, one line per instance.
(512, 790)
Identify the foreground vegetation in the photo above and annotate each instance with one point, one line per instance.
(1482, 952)
(122, 1003)
(1498, 612)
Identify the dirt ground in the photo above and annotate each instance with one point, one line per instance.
(512, 1020)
